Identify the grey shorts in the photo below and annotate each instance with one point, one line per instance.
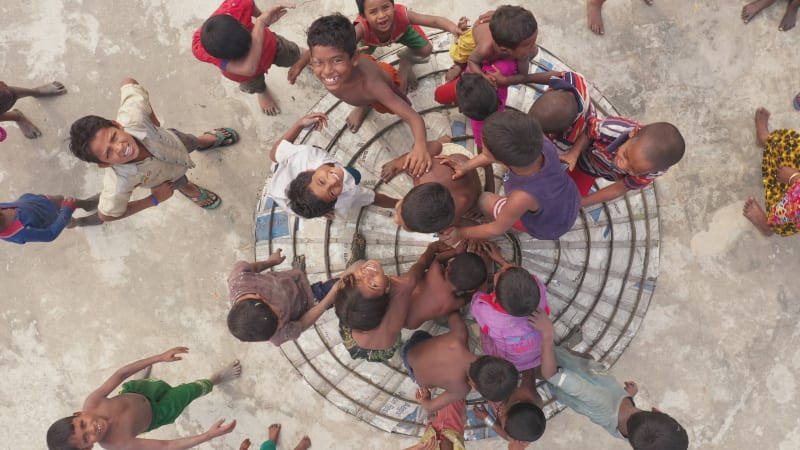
(286, 55)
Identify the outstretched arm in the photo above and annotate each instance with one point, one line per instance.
(541, 322)
(218, 429)
(608, 193)
(273, 260)
(541, 77)
(126, 371)
(50, 233)
(434, 22)
(248, 64)
(318, 120)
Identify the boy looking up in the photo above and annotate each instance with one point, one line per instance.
(360, 81)
(142, 406)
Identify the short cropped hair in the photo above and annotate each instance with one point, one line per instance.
(303, 202)
(356, 311)
(467, 272)
(476, 97)
(555, 110)
(252, 320)
(525, 422)
(81, 134)
(654, 430)
(59, 433)
(514, 138)
(428, 208)
(510, 25)
(665, 145)
(360, 5)
(494, 378)
(517, 292)
(225, 37)
(334, 31)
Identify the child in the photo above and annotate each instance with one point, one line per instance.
(437, 201)
(274, 306)
(138, 152)
(142, 406)
(627, 153)
(310, 182)
(595, 15)
(519, 419)
(445, 362)
(445, 429)
(9, 96)
(503, 315)
(381, 23)
(541, 199)
(362, 82)
(41, 218)
(788, 21)
(244, 49)
(274, 431)
(585, 387)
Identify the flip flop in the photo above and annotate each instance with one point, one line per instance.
(225, 137)
(796, 102)
(204, 195)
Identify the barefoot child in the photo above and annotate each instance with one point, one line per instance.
(138, 152)
(540, 199)
(360, 81)
(381, 23)
(311, 183)
(788, 21)
(585, 387)
(41, 218)
(9, 96)
(780, 170)
(595, 15)
(273, 433)
(625, 152)
(274, 306)
(445, 362)
(142, 406)
(245, 48)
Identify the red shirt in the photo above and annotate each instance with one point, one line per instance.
(241, 10)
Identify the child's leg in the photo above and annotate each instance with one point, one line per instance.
(46, 90)
(446, 93)
(258, 85)
(28, 128)
(751, 9)
(595, 15)
(200, 196)
(304, 444)
(88, 204)
(292, 56)
(790, 16)
(762, 126)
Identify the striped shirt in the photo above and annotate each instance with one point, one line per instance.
(575, 83)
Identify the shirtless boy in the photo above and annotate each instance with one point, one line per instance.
(360, 81)
(143, 405)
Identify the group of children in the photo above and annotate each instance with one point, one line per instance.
(541, 197)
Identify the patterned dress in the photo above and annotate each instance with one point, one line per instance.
(782, 200)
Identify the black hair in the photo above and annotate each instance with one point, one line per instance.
(334, 31)
(654, 430)
(252, 320)
(476, 97)
(467, 272)
(517, 292)
(555, 110)
(356, 311)
(514, 138)
(428, 208)
(302, 201)
(360, 5)
(525, 422)
(510, 25)
(225, 37)
(59, 433)
(665, 144)
(81, 134)
(494, 378)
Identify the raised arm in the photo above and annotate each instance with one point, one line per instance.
(218, 429)
(318, 120)
(433, 22)
(313, 314)
(248, 64)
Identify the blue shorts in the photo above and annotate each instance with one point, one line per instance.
(415, 339)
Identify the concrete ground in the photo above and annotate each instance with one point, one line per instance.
(717, 350)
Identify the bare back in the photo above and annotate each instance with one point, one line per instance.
(433, 297)
(128, 415)
(442, 361)
(387, 332)
(465, 190)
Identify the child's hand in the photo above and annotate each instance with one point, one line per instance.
(784, 173)
(218, 429)
(495, 76)
(480, 412)
(245, 444)
(491, 250)
(418, 162)
(171, 355)
(539, 320)
(570, 159)
(163, 191)
(275, 13)
(631, 388)
(485, 17)
(459, 166)
(422, 395)
(274, 431)
(452, 236)
(276, 257)
(315, 119)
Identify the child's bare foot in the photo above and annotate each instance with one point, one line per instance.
(28, 128)
(756, 215)
(649, 2)
(790, 17)
(298, 67)
(268, 104)
(50, 89)
(274, 432)
(227, 373)
(762, 128)
(752, 9)
(393, 167)
(595, 16)
(452, 73)
(356, 118)
(304, 444)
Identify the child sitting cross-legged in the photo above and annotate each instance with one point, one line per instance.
(310, 182)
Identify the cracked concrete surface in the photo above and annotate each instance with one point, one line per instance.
(717, 350)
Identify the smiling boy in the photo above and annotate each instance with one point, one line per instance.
(139, 152)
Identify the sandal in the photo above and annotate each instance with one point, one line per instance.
(225, 137)
(205, 194)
